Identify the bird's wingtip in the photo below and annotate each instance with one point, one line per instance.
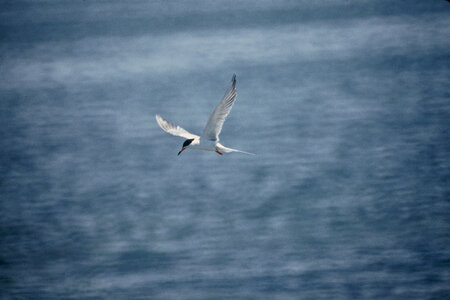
(159, 119)
(233, 80)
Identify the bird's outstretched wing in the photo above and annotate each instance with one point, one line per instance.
(215, 121)
(174, 129)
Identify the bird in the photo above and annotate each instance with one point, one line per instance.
(209, 139)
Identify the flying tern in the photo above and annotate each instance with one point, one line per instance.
(209, 140)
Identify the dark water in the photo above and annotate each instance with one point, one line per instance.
(346, 105)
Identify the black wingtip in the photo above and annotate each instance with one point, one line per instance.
(233, 80)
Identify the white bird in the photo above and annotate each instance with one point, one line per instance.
(209, 140)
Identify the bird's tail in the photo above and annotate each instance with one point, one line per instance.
(228, 150)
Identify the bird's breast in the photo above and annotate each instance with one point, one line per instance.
(205, 144)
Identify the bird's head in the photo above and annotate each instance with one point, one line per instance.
(185, 145)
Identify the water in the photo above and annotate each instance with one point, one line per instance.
(345, 104)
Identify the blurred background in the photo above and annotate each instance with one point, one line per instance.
(345, 103)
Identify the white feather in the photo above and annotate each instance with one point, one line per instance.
(174, 129)
(217, 118)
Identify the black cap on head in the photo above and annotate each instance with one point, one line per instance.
(187, 142)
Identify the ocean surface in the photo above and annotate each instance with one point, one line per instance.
(345, 103)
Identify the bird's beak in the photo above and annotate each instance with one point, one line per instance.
(182, 149)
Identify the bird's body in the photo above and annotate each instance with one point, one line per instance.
(201, 144)
(208, 145)
(209, 140)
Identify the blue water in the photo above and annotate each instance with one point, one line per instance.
(345, 104)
